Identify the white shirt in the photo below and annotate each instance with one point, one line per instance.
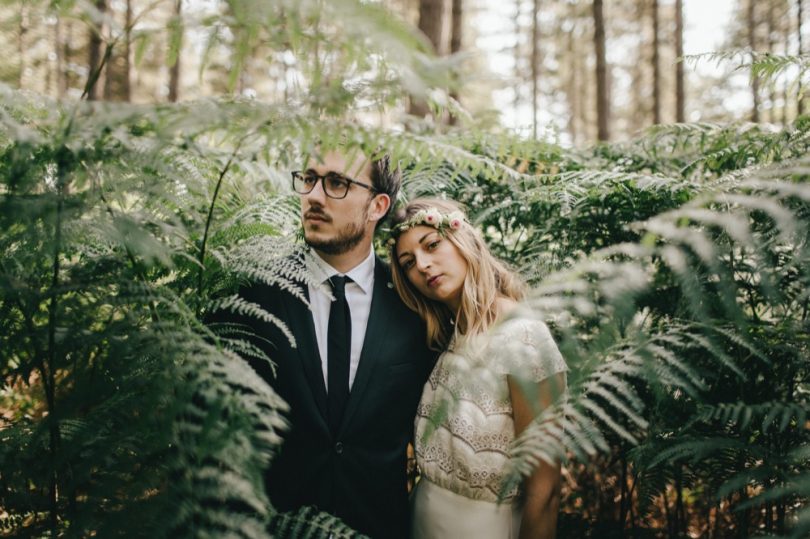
(358, 295)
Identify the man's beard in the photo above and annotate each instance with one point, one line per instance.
(348, 238)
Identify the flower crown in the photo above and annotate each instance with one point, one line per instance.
(431, 217)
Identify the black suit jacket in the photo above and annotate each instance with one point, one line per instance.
(358, 475)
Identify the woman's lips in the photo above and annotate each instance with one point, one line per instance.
(434, 281)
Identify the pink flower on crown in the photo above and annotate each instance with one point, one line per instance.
(433, 217)
(455, 220)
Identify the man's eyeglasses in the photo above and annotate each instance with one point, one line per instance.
(334, 185)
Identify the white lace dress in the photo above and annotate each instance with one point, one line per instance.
(465, 430)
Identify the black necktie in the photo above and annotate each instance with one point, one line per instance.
(338, 350)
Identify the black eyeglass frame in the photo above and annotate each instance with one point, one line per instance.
(349, 182)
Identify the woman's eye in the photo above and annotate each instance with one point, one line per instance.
(432, 245)
(408, 264)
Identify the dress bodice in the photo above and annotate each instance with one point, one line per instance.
(464, 424)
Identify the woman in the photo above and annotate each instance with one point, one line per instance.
(476, 400)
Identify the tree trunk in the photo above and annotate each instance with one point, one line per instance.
(680, 509)
(642, 106)
(94, 52)
(126, 89)
(456, 26)
(655, 66)
(573, 87)
(680, 90)
(781, 512)
(455, 42)
(800, 97)
(744, 517)
(753, 45)
(174, 71)
(117, 69)
(431, 17)
(535, 63)
(67, 54)
(518, 73)
(109, 91)
(61, 86)
(771, 23)
(786, 27)
(602, 100)
(624, 501)
(667, 515)
(21, 47)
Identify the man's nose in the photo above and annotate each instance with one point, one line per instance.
(317, 194)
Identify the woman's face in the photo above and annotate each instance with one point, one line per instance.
(433, 264)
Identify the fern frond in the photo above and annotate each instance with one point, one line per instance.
(309, 523)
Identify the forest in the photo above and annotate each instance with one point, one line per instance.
(656, 201)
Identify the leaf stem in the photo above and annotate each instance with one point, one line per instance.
(208, 221)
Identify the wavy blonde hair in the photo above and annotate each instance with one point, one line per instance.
(487, 280)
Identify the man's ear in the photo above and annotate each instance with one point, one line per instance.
(379, 207)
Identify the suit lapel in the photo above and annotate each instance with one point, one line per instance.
(303, 328)
(379, 314)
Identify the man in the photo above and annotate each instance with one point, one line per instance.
(356, 374)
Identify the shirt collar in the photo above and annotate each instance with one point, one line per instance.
(362, 274)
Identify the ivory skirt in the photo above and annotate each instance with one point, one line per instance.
(440, 514)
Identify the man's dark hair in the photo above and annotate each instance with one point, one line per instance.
(386, 179)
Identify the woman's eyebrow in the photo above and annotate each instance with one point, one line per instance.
(426, 235)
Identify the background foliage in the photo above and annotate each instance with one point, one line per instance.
(672, 267)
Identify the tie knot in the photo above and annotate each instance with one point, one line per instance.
(339, 285)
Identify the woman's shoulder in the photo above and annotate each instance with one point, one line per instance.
(522, 342)
(517, 322)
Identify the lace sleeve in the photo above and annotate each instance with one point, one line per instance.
(524, 348)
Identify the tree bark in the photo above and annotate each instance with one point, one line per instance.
(94, 51)
(744, 516)
(753, 45)
(668, 515)
(126, 89)
(21, 48)
(117, 69)
(456, 28)
(518, 73)
(641, 110)
(174, 71)
(602, 100)
(786, 28)
(535, 63)
(800, 90)
(573, 87)
(431, 18)
(680, 89)
(680, 508)
(624, 501)
(771, 23)
(61, 86)
(68, 54)
(655, 65)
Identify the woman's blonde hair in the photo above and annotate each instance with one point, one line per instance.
(487, 279)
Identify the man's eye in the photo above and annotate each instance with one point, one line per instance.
(310, 179)
(336, 182)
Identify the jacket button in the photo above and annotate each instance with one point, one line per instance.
(339, 448)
